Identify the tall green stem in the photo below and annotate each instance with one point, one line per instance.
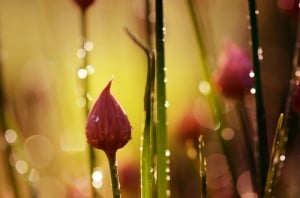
(3, 125)
(260, 109)
(147, 144)
(213, 101)
(85, 87)
(114, 175)
(161, 135)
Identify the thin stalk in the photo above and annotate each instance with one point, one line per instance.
(85, 87)
(161, 134)
(114, 175)
(213, 101)
(4, 126)
(202, 168)
(147, 144)
(260, 109)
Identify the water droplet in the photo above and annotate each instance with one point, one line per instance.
(249, 27)
(204, 87)
(168, 193)
(167, 170)
(260, 53)
(165, 69)
(227, 134)
(90, 97)
(81, 53)
(168, 153)
(165, 80)
(257, 12)
(10, 136)
(191, 153)
(88, 46)
(97, 177)
(251, 74)
(297, 73)
(282, 158)
(82, 73)
(21, 166)
(95, 118)
(167, 104)
(252, 90)
(90, 69)
(168, 177)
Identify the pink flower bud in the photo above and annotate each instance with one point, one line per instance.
(233, 78)
(188, 127)
(289, 7)
(107, 126)
(84, 4)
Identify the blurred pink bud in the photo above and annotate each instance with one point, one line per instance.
(107, 126)
(129, 175)
(233, 76)
(297, 98)
(84, 4)
(290, 7)
(188, 127)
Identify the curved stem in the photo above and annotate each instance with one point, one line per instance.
(114, 175)
(85, 86)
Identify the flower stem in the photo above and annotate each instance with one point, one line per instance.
(147, 144)
(213, 101)
(161, 133)
(202, 168)
(114, 175)
(85, 87)
(260, 110)
(4, 126)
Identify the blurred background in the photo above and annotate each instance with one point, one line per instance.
(39, 49)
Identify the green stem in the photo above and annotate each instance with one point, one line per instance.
(147, 144)
(213, 101)
(161, 133)
(85, 86)
(260, 110)
(202, 161)
(114, 175)
(4, 126)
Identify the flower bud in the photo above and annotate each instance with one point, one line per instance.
(289, 7)
(107, 126)
(188, 127)
(84, 4)
(233, 78)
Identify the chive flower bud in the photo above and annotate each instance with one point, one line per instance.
(84, 4)
(233, 78)
(107, 126)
